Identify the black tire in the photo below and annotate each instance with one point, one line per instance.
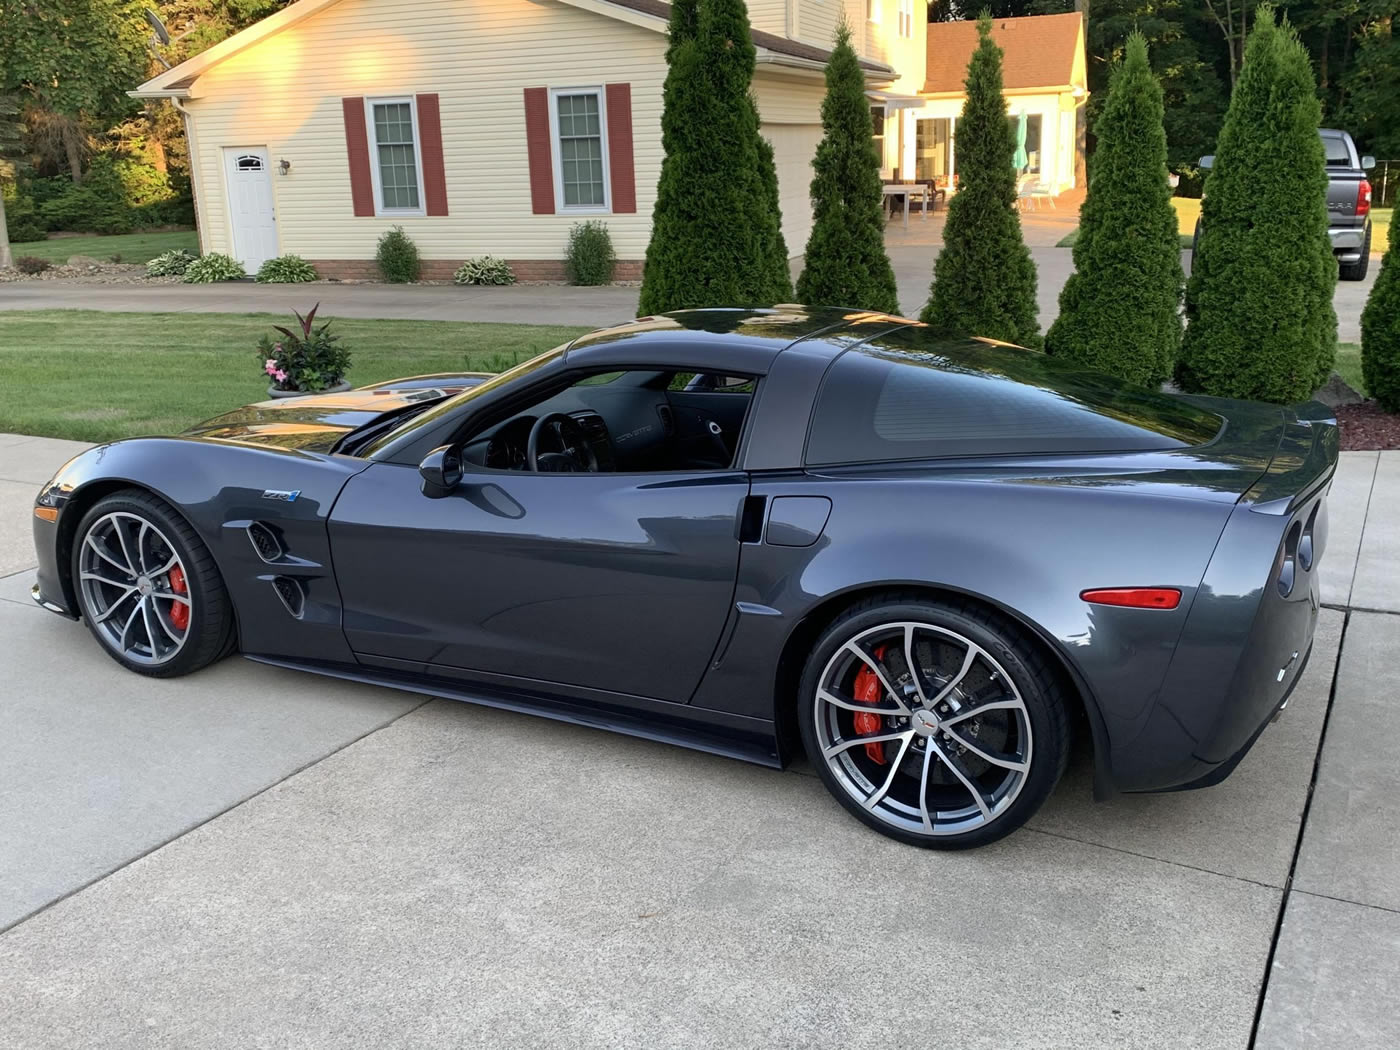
(1042, 718)
(1357, 271)
(210, 633)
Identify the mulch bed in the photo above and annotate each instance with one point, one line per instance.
(1366, 427)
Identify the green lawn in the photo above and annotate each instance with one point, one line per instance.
(132, 247)
(1349, 364)
(1380, 229)
(97, 376)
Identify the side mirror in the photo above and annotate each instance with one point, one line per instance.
(1368, 162)
(442, 471)
(1208, 161)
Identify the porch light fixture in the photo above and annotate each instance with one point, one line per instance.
(284, 166)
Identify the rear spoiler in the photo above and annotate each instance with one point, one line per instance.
(1305, 460)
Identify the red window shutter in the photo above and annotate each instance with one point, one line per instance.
(621, 171)
(430, 132)
(537, 144)
(357, 149)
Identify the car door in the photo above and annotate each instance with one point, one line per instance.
(620, 582)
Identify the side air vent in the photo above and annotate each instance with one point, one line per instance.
(291, 593)
(668, 419)
(265, 542)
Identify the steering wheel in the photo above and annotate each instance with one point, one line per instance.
(574, 455)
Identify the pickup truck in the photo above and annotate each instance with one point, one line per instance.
(1348, 203)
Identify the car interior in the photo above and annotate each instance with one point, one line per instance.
(637, 420)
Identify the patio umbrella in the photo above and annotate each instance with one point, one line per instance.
(1021, 160)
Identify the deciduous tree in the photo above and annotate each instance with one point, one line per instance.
(75, 60)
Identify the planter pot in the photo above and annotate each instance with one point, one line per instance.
(339, 388)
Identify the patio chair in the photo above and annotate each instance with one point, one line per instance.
(1031, 189)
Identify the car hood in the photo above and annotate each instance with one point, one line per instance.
(317, 422)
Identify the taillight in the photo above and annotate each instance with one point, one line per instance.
(1134, 597)
(1363, 198)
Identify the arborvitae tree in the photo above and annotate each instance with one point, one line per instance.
(1380, 333)
(1259, 300)
(775, 251)
(1119, 309)
(846, 264)
(984, 279)
(711, 236)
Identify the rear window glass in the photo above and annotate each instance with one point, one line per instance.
(910, 395)
(1337, 154)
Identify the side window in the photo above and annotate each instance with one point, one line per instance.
(639, 420)
(710, 383)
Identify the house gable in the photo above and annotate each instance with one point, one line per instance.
(1043, 53)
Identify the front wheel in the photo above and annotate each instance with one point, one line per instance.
(935, 723)
(148, 587)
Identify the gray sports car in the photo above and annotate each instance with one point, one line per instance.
(924, 562)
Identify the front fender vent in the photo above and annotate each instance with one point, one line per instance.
(265, 542)
(292, 593)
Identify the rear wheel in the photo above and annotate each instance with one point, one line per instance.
(1356, 271)
(148, 587)
(937, 724)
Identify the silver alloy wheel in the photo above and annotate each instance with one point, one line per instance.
(130, 581)
(951, 733)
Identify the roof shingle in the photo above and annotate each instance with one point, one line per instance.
(1039, 52)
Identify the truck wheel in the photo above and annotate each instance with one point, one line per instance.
(1357, 271)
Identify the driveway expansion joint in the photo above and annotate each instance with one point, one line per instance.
(1298, 844)
(212, 817)
(1147, 856)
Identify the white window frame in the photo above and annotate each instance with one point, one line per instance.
(556, 160)
(906, 19)
(372, 135)
(872, 11)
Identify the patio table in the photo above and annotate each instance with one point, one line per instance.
(907, 190)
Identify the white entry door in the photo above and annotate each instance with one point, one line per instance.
(254, 219)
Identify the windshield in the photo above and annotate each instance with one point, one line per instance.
(432, 415)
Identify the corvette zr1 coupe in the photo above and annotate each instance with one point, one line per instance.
(922, 561)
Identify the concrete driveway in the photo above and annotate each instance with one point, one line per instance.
(911, 251)
(250, 857)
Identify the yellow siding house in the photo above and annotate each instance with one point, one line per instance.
(483, 127)
(490, 127)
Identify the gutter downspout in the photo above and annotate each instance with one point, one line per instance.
(192, 151)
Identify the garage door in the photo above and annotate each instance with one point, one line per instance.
(793, 148)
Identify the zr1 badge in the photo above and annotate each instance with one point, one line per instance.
(281, 494)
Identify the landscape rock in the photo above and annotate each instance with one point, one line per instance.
(1337, 392)
(93, 273)
(83, 261)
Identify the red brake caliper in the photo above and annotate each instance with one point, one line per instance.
(868, 690)
(179, 611)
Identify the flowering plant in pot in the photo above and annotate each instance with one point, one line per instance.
(309, 361)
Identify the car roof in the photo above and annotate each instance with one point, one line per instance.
(744, 340)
